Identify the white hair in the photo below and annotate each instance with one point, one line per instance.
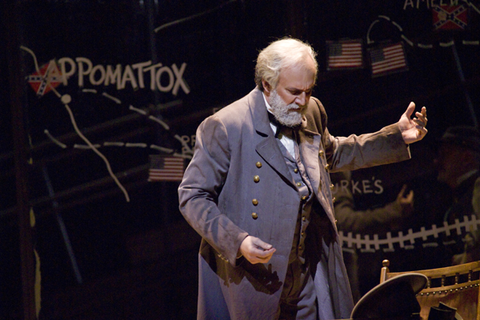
(279, 55)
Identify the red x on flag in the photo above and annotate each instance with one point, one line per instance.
(449, 17)
(48, 77)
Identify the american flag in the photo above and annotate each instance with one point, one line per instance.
(346, 54)
(388, 59)
(166, 168)
(449, 17)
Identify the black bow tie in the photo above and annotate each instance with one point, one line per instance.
(282, 129)
(273, 119)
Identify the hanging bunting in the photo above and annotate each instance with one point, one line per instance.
(388, 59)
(166, 168)
(345, 54)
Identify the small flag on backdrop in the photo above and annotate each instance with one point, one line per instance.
(345, 54)
(388, 59)
(449, 17)
(49, 76)
(166, 168)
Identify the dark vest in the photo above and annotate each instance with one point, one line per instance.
(302, 182)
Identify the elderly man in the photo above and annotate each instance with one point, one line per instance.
(458, 164)
(257, 190)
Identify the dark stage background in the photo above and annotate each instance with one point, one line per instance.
(135, 78)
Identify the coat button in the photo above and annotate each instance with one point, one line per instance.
(299, 184)
(327, 166)
(333, 199)
(258, 164)
(332, 186)
(256, 178)
(320, 153)
(304, 198)
(295, 170)
(254, 215)
(255, 202)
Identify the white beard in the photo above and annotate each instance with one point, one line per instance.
(282, 112)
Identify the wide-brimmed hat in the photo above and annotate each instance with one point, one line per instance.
(465, 136)
(393, 299)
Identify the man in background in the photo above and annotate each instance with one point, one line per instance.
(458, 164)
(388, 218)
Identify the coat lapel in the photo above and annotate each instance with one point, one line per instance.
(309, 146)
(267, 147)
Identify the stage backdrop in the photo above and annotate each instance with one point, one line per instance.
(113, 92)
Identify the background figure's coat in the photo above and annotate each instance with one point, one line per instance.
(235, 145)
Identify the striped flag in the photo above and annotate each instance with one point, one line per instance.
(449, 17)
(388, 59)
(346, 54)
(166, 168)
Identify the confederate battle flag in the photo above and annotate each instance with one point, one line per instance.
(449, 17)
(46, 78)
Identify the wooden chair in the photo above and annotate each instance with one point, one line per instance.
(456, 286)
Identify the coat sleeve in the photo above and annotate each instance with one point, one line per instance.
(358, 151)
(201, 186)
(367, 150)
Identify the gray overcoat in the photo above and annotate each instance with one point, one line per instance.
(238, 184)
